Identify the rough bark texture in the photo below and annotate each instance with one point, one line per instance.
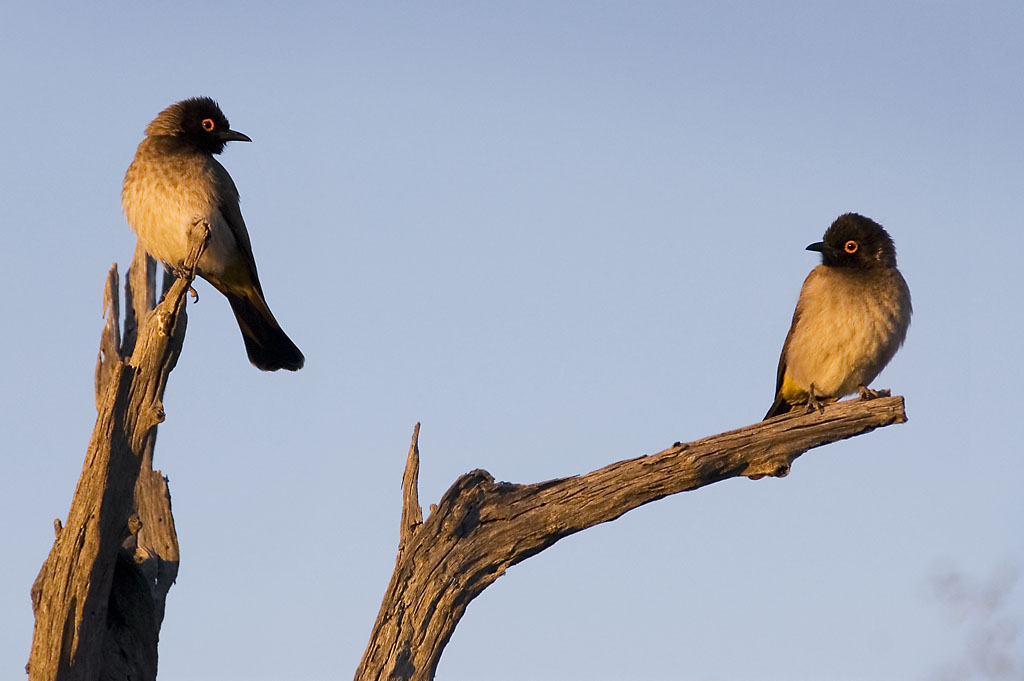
(99, 597)
(482, 527)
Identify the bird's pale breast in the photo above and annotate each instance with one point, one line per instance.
(165, 193)
(850, 324)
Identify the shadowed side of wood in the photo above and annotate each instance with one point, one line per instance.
(99, 597)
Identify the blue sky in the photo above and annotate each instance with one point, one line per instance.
(558, 235)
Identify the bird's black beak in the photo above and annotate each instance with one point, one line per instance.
(233, 136)
(818, 246)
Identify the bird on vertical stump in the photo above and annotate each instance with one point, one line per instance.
(174, 183)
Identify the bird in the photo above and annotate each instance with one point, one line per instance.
(173, 183)
(851, 317)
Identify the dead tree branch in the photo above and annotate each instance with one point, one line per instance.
(99, 597)
(481, 527)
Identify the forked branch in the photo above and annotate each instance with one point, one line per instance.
(481, 527)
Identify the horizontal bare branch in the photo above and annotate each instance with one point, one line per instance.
(482, 527)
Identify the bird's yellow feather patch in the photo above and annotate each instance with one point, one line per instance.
(792, 392)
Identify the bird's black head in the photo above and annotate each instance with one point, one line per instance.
(199, 122)
(856, 241)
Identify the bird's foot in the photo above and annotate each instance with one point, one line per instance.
(867, 393)
(813, 403)
(180, 272)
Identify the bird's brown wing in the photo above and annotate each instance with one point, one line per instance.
(781, 406)
(785, 349)
(228, 204)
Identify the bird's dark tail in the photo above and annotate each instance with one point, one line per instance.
(268, 347)
(779, 407)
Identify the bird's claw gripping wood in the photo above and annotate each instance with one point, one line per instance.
(813, 403)
(867, 393)
(180, 272)
(188, 274)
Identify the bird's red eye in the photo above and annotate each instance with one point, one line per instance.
(208, 124)
(851, 246)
